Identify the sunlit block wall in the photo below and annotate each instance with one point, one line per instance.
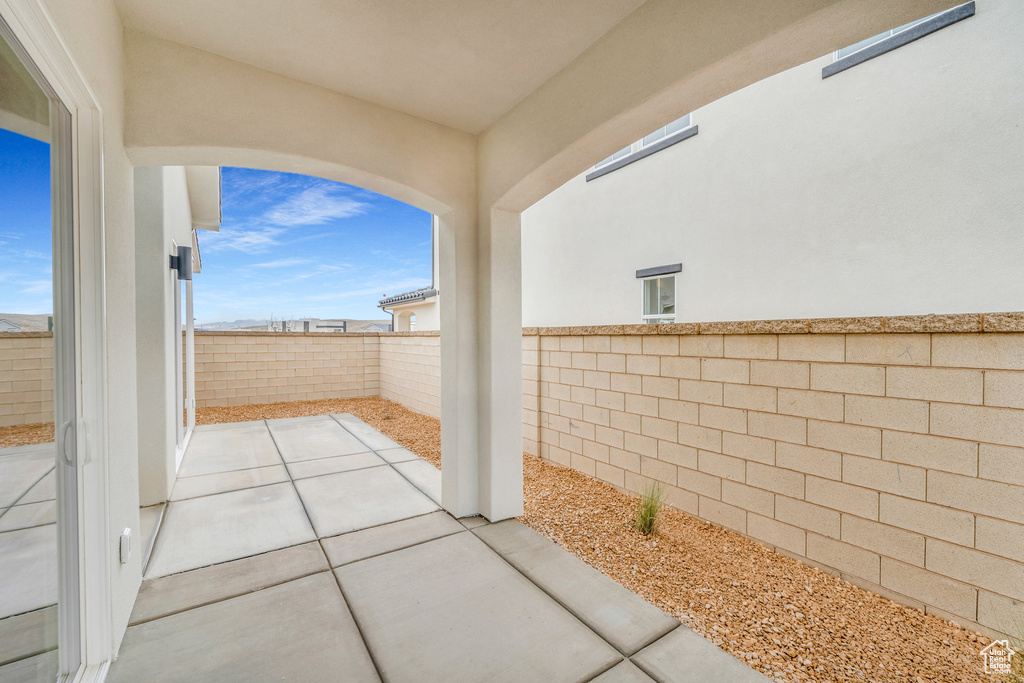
(237, 368)
(889, 451)
(26, 378)
(410, 370)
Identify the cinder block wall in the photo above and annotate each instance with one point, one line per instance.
(236, 368)
(26, 378)
(887, 451)
(410, 370)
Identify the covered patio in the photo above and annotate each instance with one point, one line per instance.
(300, 546)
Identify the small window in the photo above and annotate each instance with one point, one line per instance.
(680, 124)
(857, 47)
(874, 46)
(660, 300)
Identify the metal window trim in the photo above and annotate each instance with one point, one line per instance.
(900, 39)
(653, 148)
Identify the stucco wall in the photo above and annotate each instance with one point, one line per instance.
(26, 378)
(894, 460)
(163, 219)
(235, 368)
(410, 371)
(891, 188)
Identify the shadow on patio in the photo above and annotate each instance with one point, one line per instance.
(303, 547)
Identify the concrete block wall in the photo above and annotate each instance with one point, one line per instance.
(410, 370)
(887, 451)
(236, 368)
(26, 378)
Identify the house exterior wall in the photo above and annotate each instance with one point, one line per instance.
(890, 188)
(410, 371)
(163, 219)
(891, 459)
(236, 368)
(26, 364)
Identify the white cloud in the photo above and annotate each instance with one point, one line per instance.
(37, 287)
(249, 240)
(282, 263)
(313, 206)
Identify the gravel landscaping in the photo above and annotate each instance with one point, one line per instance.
(784, 618)
(25, 435)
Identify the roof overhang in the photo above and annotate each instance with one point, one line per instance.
(204, 196)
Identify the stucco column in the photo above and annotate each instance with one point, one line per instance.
(154, 317)
(459, 415)
(500, 361)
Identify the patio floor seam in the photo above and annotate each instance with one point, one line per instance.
(26, 491)
(566, 607)
(355, 618)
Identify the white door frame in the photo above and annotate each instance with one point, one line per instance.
(35, 30)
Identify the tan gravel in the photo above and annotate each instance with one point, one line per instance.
(786, 619)
(25, 435)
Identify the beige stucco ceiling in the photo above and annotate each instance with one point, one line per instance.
(461, 63)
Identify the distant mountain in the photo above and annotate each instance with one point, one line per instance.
(236, 325)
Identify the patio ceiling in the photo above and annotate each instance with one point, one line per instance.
(461, 63)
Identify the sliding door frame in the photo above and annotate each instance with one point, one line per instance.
(85, 548)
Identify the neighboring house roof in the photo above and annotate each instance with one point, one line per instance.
(415, 295)
(376, 328)
(7, 326)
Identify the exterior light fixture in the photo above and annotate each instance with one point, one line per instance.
(182, 263)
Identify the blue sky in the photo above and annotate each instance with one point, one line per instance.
(26, 274)
(294, 246)
(290, 246)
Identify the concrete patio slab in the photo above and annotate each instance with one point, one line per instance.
(304, 469)
(172, 594)
(222, 482)
(45, 489)
(378, 540)
(423, 476)
(307, 438)
(39, 669)
(21, 471)
(473, 522)
(365, 433)
(619, 615)
(228, 526)
(29, 515)
(451, 610)
(349, 501)
(626, 672)
(227, 448)
(684, 656)
(28, 565)
(27, 635)
(394, 455)
(297, 631)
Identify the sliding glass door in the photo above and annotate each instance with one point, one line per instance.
(40, 591)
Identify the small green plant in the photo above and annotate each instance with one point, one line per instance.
(647, 509)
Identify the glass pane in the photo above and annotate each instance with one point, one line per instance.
(29, 481)
(653, 137)
(651, 297)
(678, 125)
(667, 295)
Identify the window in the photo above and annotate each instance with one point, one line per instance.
(893, 38)
(660, 300)
(666, 136)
